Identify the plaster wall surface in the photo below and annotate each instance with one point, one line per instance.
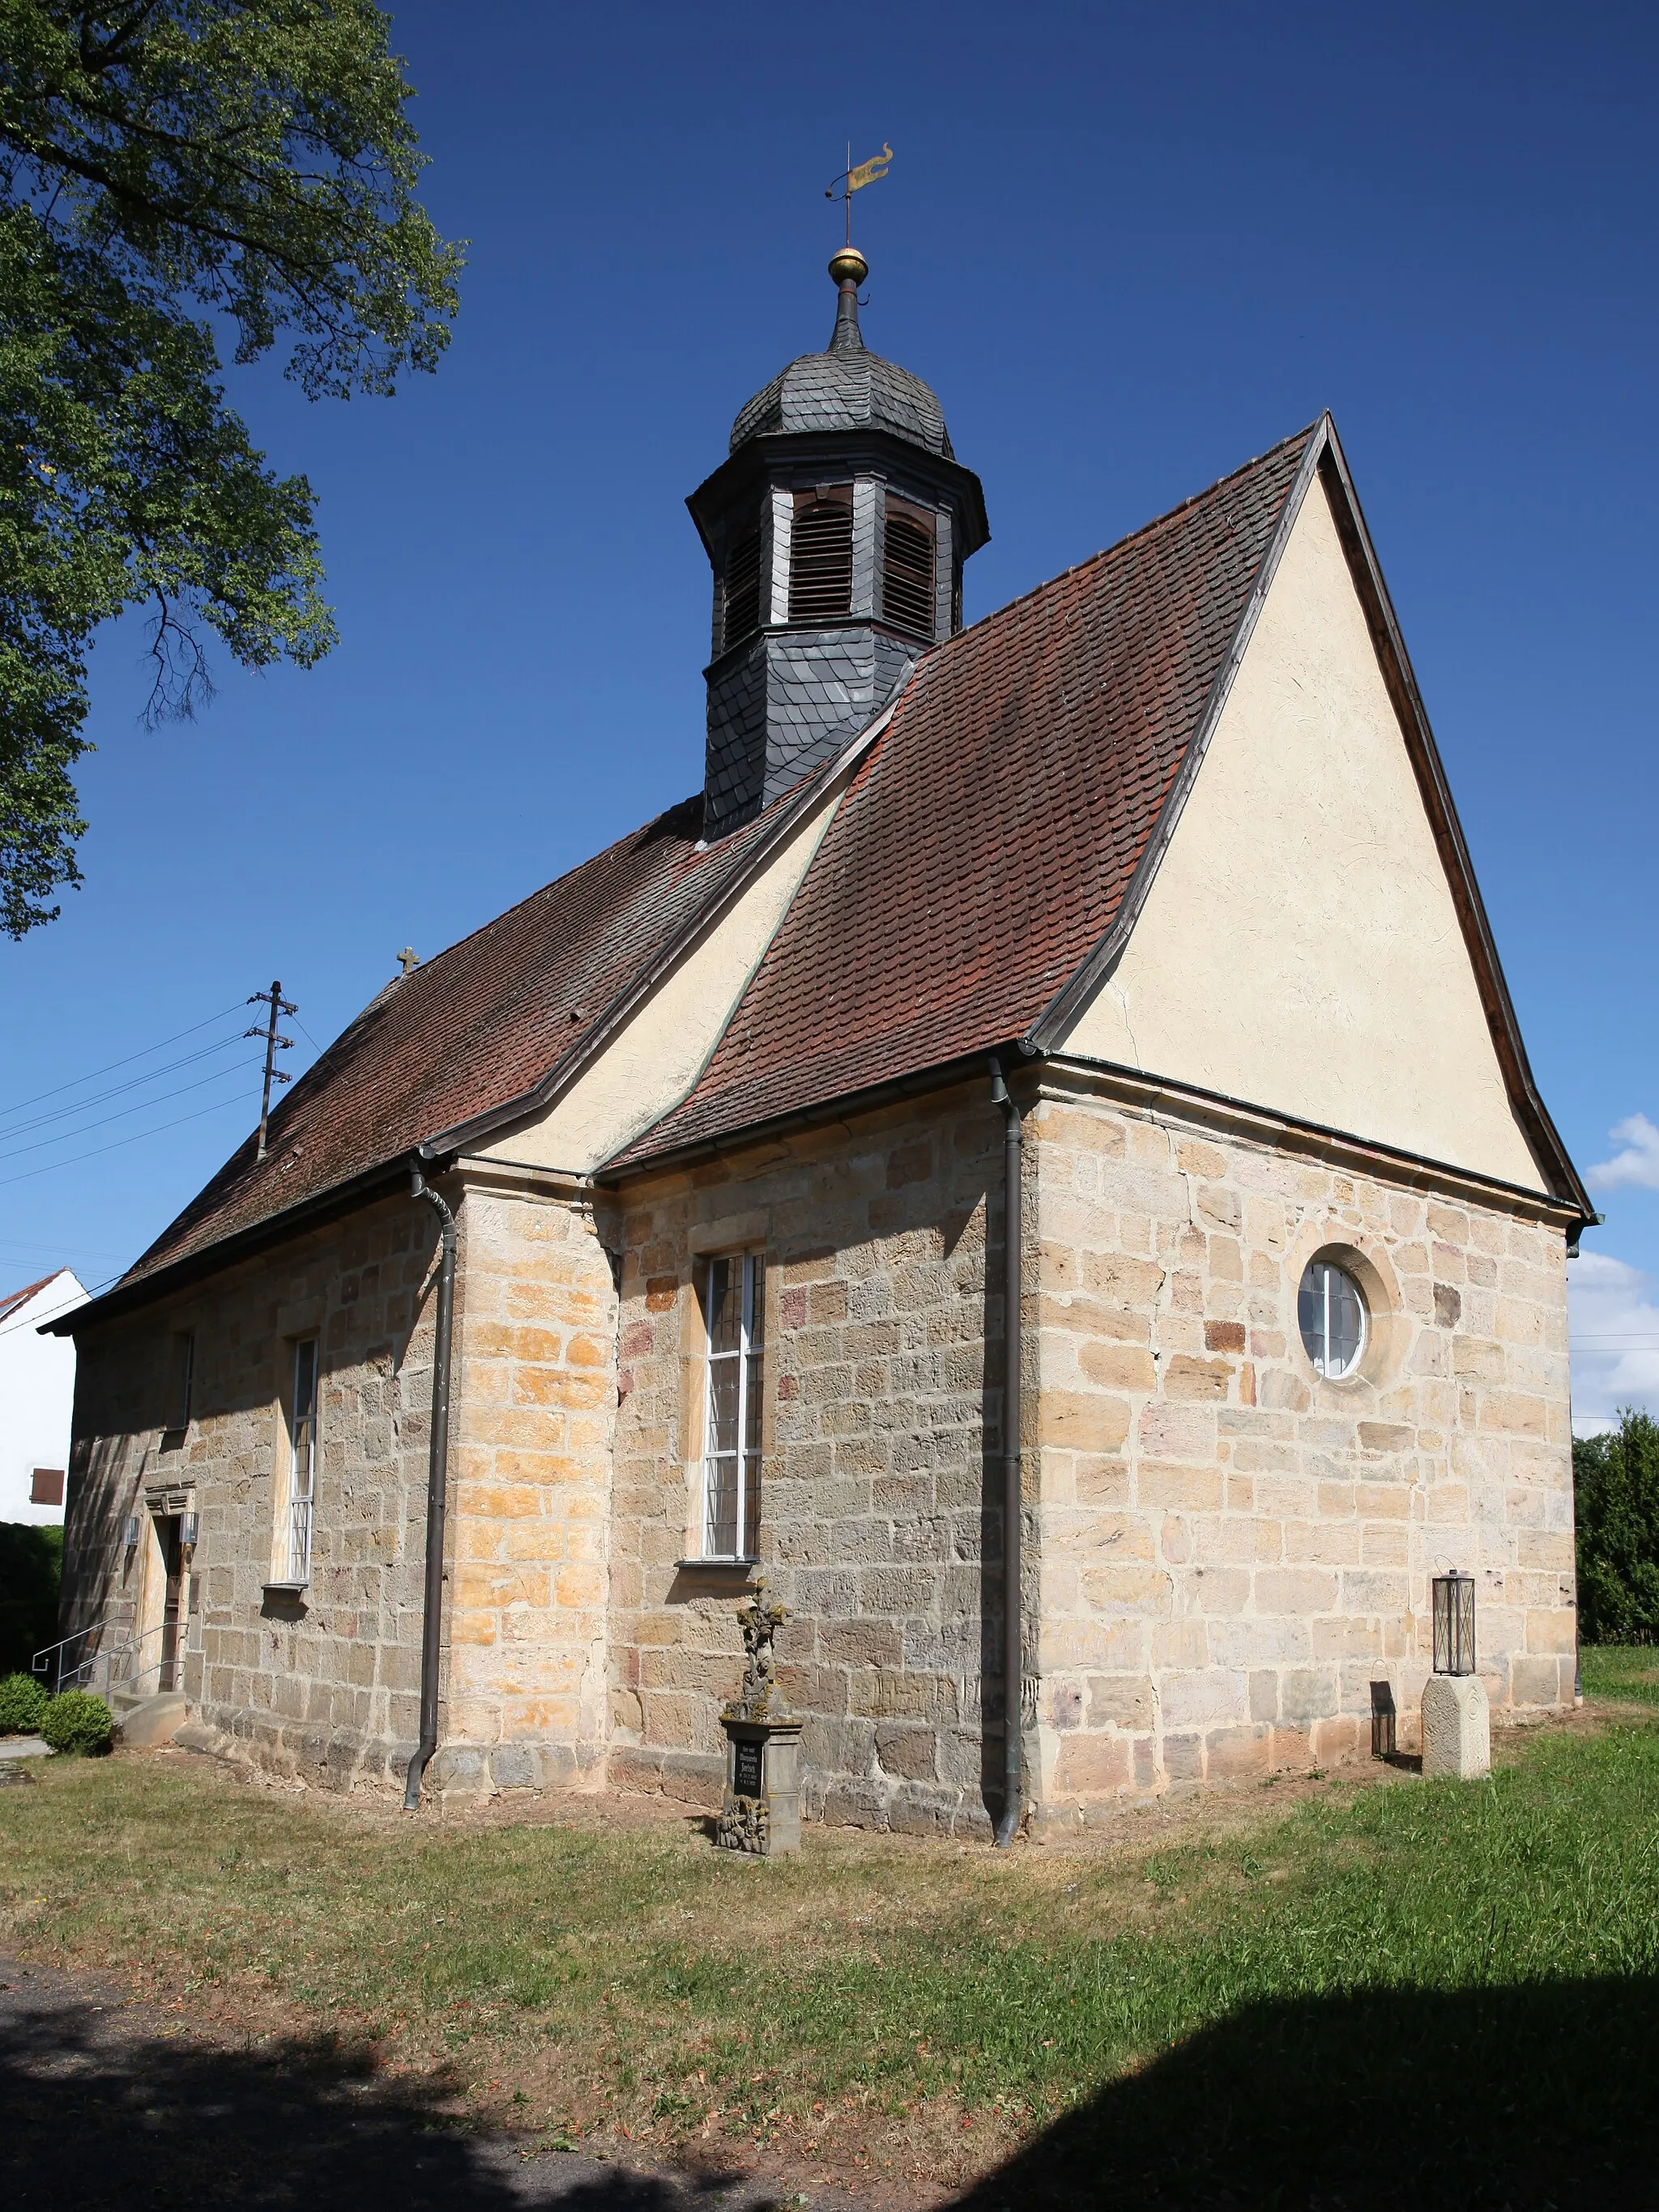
(1233, 1549)
(37, 1397)
(1299, 947)
(660, 1050)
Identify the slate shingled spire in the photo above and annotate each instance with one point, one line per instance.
(837, 529)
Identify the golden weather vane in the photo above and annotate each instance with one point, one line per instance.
(853, 180)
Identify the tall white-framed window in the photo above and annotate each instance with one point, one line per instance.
(734, 1303)
(302, 1460)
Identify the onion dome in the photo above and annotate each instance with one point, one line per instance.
(845, 387)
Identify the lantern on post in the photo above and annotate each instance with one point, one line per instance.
(1384, 1718)
(1453, 1601)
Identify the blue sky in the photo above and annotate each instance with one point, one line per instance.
(1129, 248)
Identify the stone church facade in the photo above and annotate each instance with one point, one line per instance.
(1155, 870)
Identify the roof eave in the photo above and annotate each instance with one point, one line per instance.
(243, 1244)
(938, 1076)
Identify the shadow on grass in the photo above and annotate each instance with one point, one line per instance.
(98, 2109)
(1525, 2098)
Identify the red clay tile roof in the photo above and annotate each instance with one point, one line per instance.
(468, 1029)
(979, 856)
(12, 1299)
(983, 847)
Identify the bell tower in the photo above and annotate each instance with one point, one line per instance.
(836, 528)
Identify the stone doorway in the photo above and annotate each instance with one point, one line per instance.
(155, 1662)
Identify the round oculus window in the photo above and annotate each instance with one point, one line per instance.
(1332, 1315)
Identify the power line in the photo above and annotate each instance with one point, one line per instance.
(67, 1136)
(137, 1137)
(133, 1083)
(160, 1046)
(68, 1305)
(86, 1251)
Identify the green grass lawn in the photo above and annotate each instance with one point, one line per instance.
(1627, 1672)
(1303, 1993)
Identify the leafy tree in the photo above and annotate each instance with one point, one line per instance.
(31, 1566)
(171, 170)
(1616, 1502)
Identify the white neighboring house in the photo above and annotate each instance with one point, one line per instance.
(37, 1398)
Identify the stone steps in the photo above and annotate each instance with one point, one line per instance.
(143, 1721)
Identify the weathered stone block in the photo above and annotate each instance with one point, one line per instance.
(1457, 1726)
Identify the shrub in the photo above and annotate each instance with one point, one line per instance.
(22, 1701)
(77, 1721)
(1616, 1500)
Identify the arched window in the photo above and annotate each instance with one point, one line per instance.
(820, 559)
(743, 592)
(907, 581)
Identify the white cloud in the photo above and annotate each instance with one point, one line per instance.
(1614, 1326)
(1638, 1166)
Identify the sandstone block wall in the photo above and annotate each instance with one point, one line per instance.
(327, 1683)
(534, 1395)
(874, 1525)
(1233, 1549)
(1223, 1554)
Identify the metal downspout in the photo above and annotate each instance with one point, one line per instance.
(437, 1469)
(1012, 1665)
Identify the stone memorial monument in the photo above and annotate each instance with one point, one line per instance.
(761, 1810)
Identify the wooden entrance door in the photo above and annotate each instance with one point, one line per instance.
(166, 1532)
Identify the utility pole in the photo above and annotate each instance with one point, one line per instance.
(274, 1044)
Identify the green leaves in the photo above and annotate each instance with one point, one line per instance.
(1616, 1505)
(160, 165)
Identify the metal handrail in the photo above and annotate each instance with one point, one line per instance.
(121, 1654)
(131, 1648)
(37, 1662)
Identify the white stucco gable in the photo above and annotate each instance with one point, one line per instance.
(1299, 946)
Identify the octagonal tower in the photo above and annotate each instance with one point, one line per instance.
(836, 528)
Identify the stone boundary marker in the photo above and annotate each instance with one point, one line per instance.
(1457, 1727)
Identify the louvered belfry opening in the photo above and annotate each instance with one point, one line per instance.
(821, 560)
(743, 589)
(816, 620)
(906, 580)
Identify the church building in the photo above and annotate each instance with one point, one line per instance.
(1035, 1156)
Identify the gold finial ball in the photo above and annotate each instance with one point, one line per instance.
(849, 266)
